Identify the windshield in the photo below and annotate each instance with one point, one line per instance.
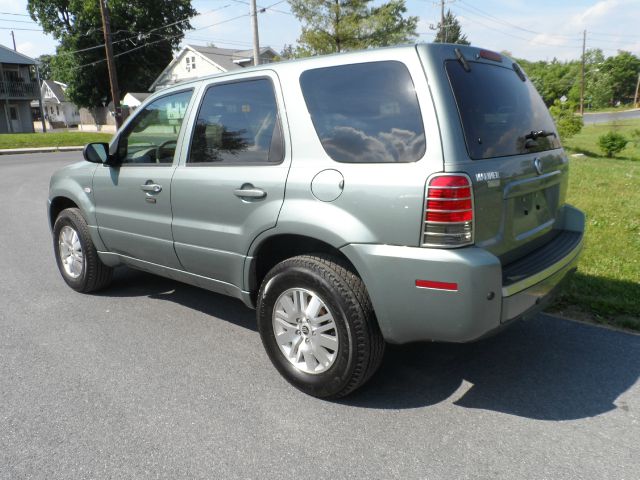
(499, 111)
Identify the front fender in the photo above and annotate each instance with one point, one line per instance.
(75, 183)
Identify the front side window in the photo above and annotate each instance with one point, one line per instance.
(237, 123)
(152, 136)
(366, 112)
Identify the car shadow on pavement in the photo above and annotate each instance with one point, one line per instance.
(135, 283)
(546, 368)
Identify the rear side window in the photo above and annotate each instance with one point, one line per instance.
(365, 113)
(498, 110)
(238, 123)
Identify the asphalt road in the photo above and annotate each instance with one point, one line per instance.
(590, 118)
(155, 379)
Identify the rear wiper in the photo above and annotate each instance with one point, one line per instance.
(532, 135)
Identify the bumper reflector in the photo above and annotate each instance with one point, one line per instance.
(453, 287)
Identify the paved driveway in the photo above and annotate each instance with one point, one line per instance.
(590, 118)
(154, 379)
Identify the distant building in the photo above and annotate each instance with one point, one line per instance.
(18, 87)
(134, 99)
(58, 111)
(195, 61)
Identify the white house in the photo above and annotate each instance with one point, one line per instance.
(134, 99)
(195, 61)
(58, 111)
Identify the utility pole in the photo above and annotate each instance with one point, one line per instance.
(42, 112)
(14, 41)
(635, 98)
(584, 43)
(444, 27)
(256, 40)
(113, 77)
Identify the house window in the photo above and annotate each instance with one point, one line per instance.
(57, 110)
(193, 62)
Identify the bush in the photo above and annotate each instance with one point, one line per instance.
(567, 122)
(611, 143)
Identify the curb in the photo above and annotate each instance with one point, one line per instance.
(16, 151)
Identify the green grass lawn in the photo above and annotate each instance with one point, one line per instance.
(56, 139)
(607, 286)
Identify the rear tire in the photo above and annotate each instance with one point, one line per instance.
(318, 326)
(76, 256)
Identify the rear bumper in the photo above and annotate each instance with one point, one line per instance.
(478, 300)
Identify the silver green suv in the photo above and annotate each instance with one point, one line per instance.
(405, 194)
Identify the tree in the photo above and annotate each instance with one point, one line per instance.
(567, 122)
(330, 26)
(144, 32)
(45, 66)
(451, 31)
(623, 72)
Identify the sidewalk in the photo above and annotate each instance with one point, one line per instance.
(14, 151)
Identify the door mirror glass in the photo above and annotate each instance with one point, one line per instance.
(96, 152)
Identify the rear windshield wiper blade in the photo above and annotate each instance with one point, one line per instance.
(540, 133)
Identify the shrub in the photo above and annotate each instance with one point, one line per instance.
(567, 122)
(611, 143)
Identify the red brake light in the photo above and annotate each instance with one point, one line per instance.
(448, 211)
(489, 55)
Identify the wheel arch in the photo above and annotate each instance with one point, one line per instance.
(272, 249)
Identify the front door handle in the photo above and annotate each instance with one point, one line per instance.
(249, 191)
(151, 187)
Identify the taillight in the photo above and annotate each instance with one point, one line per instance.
(448, 217)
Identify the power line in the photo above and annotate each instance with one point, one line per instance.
(16, 14)
(17, 21)
(493, 18)
(534, 41)
(142, 34)
(22, 29)
(166, 38)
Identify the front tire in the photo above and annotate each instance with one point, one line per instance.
(76, 256)
(318, 326)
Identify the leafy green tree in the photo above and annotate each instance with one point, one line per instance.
(567, 122)
(451, 31)
(144, 32)
(44, 66)
(330, 26)
(622, 73)
(611, 143)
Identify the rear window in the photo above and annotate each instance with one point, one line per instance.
(365, 113)
(498, 109)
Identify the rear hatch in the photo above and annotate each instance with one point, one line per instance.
(497, 130)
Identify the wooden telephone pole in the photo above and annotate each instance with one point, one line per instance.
(635, 98)
(584, 42)
(256, 40)
(113, 76)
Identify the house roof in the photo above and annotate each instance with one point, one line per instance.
(56, 89)
(9, 56)
(139, 96)
(226, 59)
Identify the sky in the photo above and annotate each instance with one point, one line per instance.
(529, 29)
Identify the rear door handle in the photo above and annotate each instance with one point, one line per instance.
(250, 192)
(151, 187)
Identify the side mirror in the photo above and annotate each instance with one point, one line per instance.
(97, 153)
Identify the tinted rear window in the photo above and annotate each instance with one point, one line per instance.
(497, 110)
(365, 113)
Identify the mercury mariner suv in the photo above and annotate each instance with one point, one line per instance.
(404, 194)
